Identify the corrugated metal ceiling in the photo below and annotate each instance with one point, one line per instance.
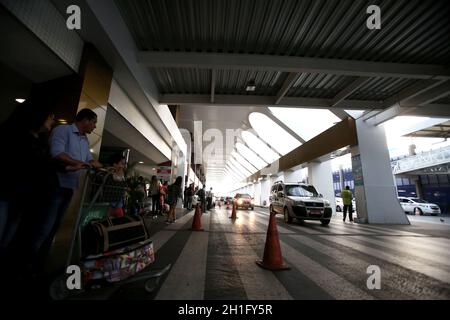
(413, 31)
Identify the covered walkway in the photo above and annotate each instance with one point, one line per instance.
(241, 98)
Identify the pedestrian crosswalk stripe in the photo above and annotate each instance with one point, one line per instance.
(409, 262)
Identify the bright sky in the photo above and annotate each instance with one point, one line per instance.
(399, 146)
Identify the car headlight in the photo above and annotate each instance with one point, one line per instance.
(326, 203)
(240, 201)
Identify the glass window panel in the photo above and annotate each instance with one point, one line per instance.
(244, 162)
(235, 173)
(238, 170)
(231, 175)
(259, 147)
(272, 133)
(433, 179)
(424, 180)
(239, 166)
(250, 156)
(442, 179)
(307, 123)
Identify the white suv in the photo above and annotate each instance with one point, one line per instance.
(419, 206)
(300, 201)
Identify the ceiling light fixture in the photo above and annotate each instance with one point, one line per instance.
(251, 86)
(20, 100)
(141, 162)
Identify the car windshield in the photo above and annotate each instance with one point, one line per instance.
(301, 191)
(245, 196)
(419, 200)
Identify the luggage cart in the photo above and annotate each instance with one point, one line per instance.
(105, 269)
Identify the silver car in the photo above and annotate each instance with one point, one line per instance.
(419, 206)
(300, 201)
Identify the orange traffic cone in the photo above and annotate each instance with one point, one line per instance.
(233, 212)
(197, 222)
(273, 260)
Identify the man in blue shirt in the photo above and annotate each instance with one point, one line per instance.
(68, 145)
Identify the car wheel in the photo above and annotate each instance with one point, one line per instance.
(253, 208)
(338, 209)
(287, 218)
(325, 222)
(417, 211)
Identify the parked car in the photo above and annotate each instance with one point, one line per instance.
(300, 201)
(340, 204)
(419, 206)
(243, 200)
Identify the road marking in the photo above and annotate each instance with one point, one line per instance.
(181, 284)
(408, 262)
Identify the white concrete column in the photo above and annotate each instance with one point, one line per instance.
(320, 175)
(265, 191)
(375, 189)
(295, 175)
(257, 199)
(291, 176)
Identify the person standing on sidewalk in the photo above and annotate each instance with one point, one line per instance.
(347, 197)
(155, 187)
(175, 191)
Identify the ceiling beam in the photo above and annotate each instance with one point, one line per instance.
(340, 113)
(409, 98)
(239, 166)
(341, 96)
(254, 169)
(288, 83)
(388, 114)
(263, 101)
(213, 84)
(355, 85)
(431, 111)
(235, 169)
(232, 176)
(428, 96)
(272, 117)
(406, 95)
(227, 61)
